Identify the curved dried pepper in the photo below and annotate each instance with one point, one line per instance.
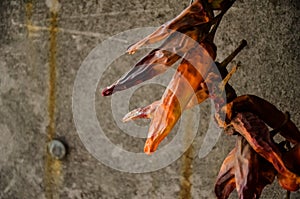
(146, 112)
(158, 60)
(258, 136)
(244, 170)
(252, 173)
(143, 112)
(180, 90)
(292, 160)
(266, 173)
(169, 110)
(267, 112)
(225, 183)
(202, 93)
(192, 16)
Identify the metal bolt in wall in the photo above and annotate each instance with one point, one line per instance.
(57, 149)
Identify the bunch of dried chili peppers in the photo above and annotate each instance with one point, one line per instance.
(256, 159)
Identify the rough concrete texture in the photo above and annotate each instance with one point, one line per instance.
(270, 69)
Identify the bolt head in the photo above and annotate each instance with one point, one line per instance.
(57, 149)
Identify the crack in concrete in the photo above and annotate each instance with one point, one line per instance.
(34, 28)
(120, 13)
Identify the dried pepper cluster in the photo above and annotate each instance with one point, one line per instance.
(256, 159)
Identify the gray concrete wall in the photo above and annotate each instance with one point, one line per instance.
(38, 66)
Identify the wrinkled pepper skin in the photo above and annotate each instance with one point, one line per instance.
(176, 45)
(201, 95)
(292, 160)
(159, 60)
(252, 173)
(225, 183)
(266, 111)
(182, 87)
(244, 170)
(202, 92)
(192, 16)
(146, 112)
(246, 174)
(258, 136)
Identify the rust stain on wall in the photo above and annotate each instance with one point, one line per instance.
(186, 167)
(186, 174)
(53, 167)
(28, 10)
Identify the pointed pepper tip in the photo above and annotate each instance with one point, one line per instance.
(108, 91)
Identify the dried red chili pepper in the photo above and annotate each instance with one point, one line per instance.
(179, 23)
(258, 136)
(193, 15)
(266, 111)
(252, 173)
(180, 90)
(291, 158)
(159, 60)
(202, 93)
(225, 183)
(256, 133)
(244, 170)
(146, 112)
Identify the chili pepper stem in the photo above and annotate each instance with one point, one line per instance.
(228, 76)
(234, 54)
